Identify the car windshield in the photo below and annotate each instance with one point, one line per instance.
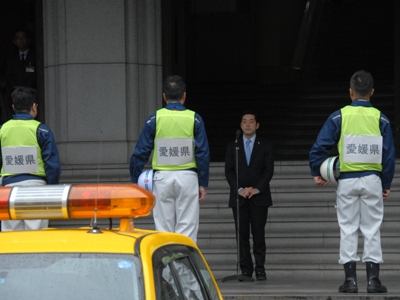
(70, 276)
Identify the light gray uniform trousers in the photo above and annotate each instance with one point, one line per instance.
(25, 224)
(360, 206)
(177, 202)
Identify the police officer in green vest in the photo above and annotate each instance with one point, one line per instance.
(29, 154)
(180, 162)
(365, 144)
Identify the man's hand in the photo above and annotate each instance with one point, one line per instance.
(385, 194)
(243, 192)
(252, 192)
(320, 181)
(202, 193)
(248, 192)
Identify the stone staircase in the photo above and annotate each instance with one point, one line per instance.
(302, 233)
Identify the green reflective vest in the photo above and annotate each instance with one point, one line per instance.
(174, 140)
(360, 144)
(21, 153)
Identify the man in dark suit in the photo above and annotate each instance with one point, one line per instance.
(253, 190)
(20, 69)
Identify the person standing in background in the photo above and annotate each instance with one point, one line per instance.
(181, 159)
(255, 171)
(364, 140)
(29, 154)
(20, 68)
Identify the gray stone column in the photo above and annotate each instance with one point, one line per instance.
(103, 76)
(396, 128)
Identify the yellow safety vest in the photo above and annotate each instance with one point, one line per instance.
(21, 153)
(360, 144)
(174, 141)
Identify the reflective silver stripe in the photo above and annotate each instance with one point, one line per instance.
(35, 202)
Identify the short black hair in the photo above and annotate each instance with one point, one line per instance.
(249, 112)
(23, 99)
(174, 87)
(362, 83)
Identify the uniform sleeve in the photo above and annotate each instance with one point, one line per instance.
(202, 151)
(143, 149)
(327, 138)
(50, 156)
(388, 154)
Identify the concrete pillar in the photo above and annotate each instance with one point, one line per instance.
(396, 128)
(103, 76)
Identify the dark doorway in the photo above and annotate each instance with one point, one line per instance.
(291, 61)
(21, 15)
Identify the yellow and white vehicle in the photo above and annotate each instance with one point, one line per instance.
(95, 263)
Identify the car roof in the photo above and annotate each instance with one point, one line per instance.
(82, 240)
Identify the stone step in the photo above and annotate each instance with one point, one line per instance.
(295, 213)
(324, 271)
(294, 244)
(220, 198)
(302, 183)
(292, 259)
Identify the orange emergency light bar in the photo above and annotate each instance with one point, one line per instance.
(75, 201)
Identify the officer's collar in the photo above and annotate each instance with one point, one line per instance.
(362, 102)
(175, 105)
(22, 115)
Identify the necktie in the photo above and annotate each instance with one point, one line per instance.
(23, 57)
(248, 151)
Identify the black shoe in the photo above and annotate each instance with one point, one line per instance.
(247, 275)
(350, 281)
(261, 276)
(374, 284)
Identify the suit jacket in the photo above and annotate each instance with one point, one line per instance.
(15, 70)
(257, 175)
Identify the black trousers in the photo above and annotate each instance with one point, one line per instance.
(251, 218)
